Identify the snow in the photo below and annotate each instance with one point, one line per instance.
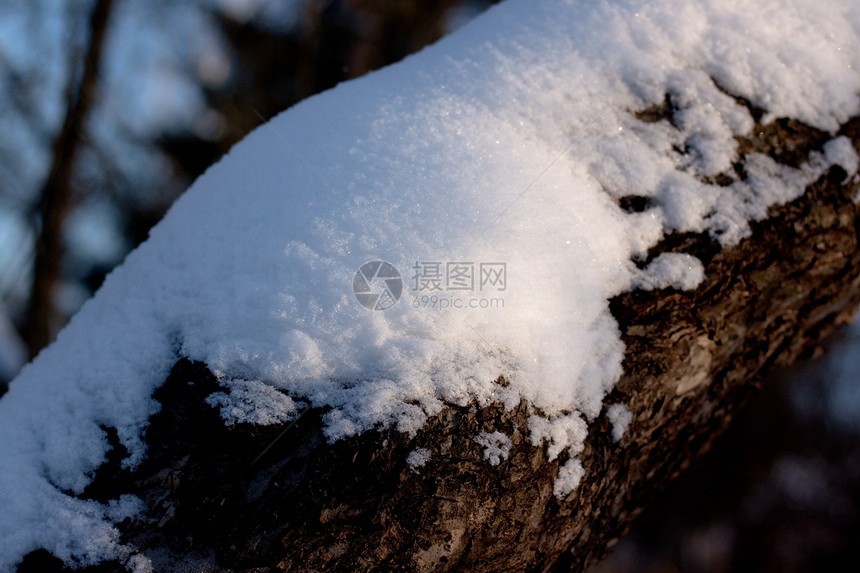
(253, 402)
(620, 417)
(841, 152)
(507, 143)
(569, 476)
(678, 270)
(561, 433)
(497, 446)
(418, 458)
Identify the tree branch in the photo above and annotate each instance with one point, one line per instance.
(43, 321)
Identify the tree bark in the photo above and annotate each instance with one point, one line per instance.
(43, 321)
(245, 498)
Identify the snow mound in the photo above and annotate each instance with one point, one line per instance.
(486, 171)
(497, 446)
(418, 458)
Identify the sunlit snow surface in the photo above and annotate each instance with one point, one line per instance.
(508, 142)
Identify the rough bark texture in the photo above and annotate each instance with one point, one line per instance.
(692, 358)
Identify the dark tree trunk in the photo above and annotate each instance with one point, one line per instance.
(216, 504)
(43, 321)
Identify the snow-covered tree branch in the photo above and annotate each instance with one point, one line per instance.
(466, 313)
